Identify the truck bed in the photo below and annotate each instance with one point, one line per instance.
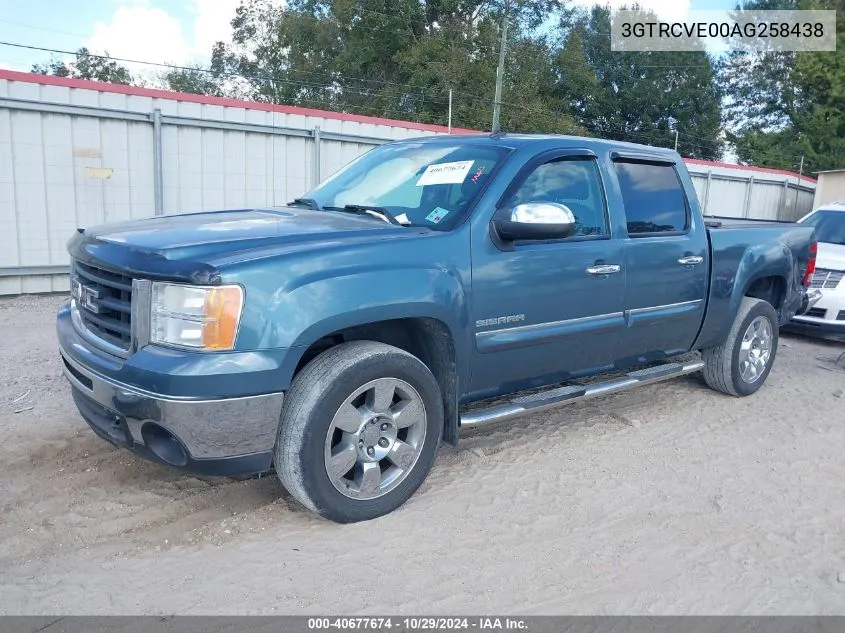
(724, 222)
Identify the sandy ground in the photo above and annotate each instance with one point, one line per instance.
(668, 500)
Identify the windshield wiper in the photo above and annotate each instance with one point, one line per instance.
(306, 202)
(370, 210)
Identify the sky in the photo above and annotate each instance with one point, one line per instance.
(166, 31)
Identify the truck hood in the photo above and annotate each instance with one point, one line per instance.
(186, 246)
(831, 256)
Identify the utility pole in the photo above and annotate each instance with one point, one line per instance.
(450, 110)
(676, 139)
(500, 71)
(798, 186)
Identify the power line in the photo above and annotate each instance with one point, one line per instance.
(549, 115)
(222, 73)
(378, 81)
(43, 28)
(334, 103)
(226, 73)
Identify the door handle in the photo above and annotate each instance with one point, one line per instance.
(691, 260)
(604, 269)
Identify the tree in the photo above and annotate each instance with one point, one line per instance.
(198, 79)
(759, 101)
(396, 58)
(194, 80)
(819, 113)
(642, 97)
(87, 66)
(461, 53)
(577, 84)
(785, 105)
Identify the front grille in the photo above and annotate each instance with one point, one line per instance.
(816, 313)
(826, 278)
(104, 299)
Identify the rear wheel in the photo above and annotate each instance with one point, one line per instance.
(741, 364)
(359, 431)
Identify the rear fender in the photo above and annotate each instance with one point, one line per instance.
(734, 271)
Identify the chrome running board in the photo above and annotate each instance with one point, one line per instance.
(567, 394)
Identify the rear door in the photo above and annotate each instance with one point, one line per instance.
(666, 259)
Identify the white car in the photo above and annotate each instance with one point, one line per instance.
(827, 317)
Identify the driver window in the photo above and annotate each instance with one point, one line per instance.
(574, 183)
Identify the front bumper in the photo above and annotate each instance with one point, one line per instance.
(211, 436)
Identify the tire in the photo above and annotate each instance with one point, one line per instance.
(727, 367)
(321, 411)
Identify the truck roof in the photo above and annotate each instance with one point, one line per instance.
(550, 140)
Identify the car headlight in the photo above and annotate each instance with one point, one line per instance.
(202, 317)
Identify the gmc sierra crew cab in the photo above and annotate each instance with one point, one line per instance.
(431, 285)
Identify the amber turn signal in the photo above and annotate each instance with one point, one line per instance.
(222, 313)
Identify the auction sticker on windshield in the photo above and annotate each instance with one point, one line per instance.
(438, 214)
(445, 173)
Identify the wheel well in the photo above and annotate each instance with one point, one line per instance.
(427, 339)
(769, 289)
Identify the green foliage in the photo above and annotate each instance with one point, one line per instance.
(819, 115)
(195, 79)
(86, 66)
(396, 58)
(638, 96)
(401, 59)
(784, 106)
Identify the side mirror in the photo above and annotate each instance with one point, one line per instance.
(535, 221)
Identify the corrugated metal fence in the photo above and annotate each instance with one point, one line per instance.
(76, 153)
(757, 193)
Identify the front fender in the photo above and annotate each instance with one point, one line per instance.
(295, 314)
(371, 297)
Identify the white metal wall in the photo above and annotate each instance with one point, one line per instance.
(73, 157)
(741, 193)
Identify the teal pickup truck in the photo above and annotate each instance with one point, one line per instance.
(431, 285)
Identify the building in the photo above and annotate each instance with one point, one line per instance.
(830, 187)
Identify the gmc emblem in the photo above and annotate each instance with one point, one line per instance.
(85, 296)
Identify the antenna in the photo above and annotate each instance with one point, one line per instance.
(500, 72)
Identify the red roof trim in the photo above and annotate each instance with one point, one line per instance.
(154, 93)
(767, 170)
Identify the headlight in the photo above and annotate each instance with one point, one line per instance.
(203, 317)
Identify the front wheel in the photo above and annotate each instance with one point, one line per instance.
(359, 431)
(741, 364)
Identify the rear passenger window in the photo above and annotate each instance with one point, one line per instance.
(653, 197)
(572, 182)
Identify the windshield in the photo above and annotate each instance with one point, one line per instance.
(419, 184)
(830, 226)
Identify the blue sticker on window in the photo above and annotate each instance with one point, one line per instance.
(438, 214)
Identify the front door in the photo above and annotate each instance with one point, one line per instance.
(547, 311)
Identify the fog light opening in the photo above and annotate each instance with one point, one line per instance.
(164, 444)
